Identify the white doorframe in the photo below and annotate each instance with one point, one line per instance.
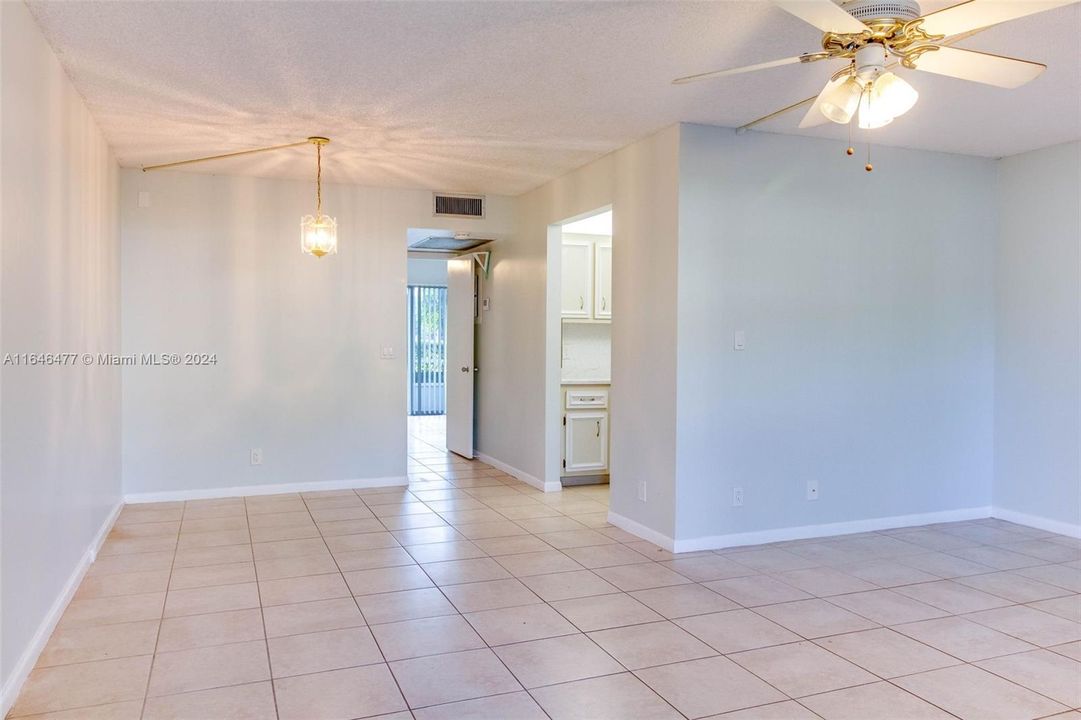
(553, 349)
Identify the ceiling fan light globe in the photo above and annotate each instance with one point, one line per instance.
(873, 112)
(895, 95)
(839, 105)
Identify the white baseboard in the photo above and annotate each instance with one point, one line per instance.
(1038, 522)
(761, 537)
(636, 528)
(29, 657)
(716, 542)
(520, 474)
(274, 489)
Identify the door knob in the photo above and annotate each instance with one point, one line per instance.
(465, 369)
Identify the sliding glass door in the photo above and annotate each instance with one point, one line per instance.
(427, 350)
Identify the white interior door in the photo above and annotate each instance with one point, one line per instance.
(460, 304)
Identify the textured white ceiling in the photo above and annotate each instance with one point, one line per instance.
(497, 97)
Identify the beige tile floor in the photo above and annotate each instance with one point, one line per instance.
(471, 595)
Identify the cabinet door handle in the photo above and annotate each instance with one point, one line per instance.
(604, 303)
(581, 303)
(598, 428)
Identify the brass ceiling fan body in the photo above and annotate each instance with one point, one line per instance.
(879, 35)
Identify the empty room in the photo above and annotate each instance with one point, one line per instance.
(538, 359)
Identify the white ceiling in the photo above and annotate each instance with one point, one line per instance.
(497, 97)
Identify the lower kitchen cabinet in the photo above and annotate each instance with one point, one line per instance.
(586, 441)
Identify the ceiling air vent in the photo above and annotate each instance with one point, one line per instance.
(452, 205)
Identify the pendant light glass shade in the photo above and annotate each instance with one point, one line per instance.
(319, 235)
(839, 105)
(318, 232)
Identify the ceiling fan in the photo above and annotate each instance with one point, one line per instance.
(876, 36)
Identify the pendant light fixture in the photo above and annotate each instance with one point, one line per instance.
(318, 232)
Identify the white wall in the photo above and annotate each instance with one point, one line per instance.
(59, 293)
(868, 307)
(214, 266)
(520, 346)
(427, 271)
(1038, 338)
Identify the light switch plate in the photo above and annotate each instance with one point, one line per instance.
(812, 489)
(386, 352)
(144, 199)
(740, 340)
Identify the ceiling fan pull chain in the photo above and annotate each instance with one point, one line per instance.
(869, 167)
(851, 150)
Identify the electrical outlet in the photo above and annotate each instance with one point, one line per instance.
(812, 489)
(386, 352)
(257, 456)
(642, 491)
(737, 497)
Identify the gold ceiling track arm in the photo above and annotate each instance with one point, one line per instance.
(318, 141)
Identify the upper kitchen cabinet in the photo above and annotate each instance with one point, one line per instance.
(577, 278)
(602, 302)
(587, 277)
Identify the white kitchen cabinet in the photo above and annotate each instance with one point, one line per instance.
(602, 301)
(586, 441)
(577, 281)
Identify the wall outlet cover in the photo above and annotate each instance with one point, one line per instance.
(812, 489)
(642, 491)
(737, 497)
(257, 456)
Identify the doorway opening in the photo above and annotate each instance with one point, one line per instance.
(441, 310)
(580, 311)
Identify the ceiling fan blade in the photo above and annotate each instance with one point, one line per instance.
(739, 70)
(814, 116)
(981, 13)
(979, 67)
(823, 14)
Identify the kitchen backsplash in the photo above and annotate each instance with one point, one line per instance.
(587, 351)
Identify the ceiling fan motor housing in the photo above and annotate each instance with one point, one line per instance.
(872, 10)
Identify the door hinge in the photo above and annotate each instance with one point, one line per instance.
(564, 421)
(564, 462)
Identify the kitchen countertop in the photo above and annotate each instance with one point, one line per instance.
(565, 381)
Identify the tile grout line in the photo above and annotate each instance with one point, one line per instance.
(262, 615)
(161, 620)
